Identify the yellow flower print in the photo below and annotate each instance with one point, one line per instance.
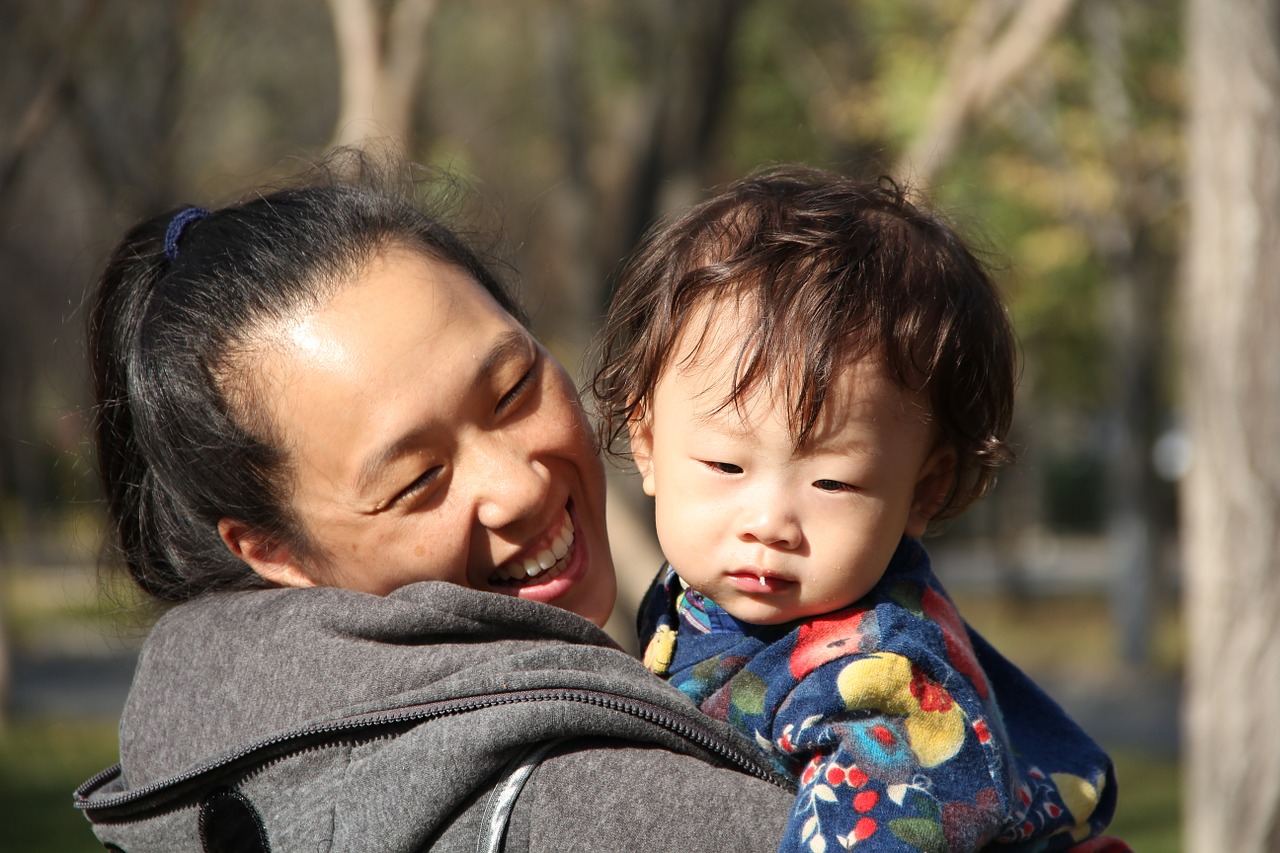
(890, 684)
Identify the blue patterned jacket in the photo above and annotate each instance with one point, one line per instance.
(905, 730)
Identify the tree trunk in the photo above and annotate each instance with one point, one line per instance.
(1232, 494)
(689, 62)
(380, 51)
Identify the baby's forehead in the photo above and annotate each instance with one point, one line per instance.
(861, 389)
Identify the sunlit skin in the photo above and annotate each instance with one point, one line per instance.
(432, 438)
(773, 532)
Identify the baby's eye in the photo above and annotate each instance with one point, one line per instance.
(723, 467)
(834, 486)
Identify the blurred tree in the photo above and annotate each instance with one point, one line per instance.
(381, 48)
(1091, 150)
(1231, 312)
(681, 53)
(38, 115)
(1053, 123)
(994, 46)
(1134, 322)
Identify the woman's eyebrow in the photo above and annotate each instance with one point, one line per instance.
(508, 347)
(511, 345)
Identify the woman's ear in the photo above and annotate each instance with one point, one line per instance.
(932, 486)
(642, 451)
(272, 561)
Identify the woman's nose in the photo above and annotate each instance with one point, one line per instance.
(512, 486)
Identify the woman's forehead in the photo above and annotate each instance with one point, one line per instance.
(408, 338)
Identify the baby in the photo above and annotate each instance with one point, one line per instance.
(812, 370)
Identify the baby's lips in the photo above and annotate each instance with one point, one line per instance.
(749, 581)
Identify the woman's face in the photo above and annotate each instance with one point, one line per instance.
(433, 438)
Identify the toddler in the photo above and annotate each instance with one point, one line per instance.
(812, 370)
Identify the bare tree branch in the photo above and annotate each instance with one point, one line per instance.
(977, 76)
(40, 112)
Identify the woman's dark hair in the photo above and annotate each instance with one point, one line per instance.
(181, 442)
(825, 270)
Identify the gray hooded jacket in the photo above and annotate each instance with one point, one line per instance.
(324, 719)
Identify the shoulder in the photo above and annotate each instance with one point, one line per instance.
(230, 668)
(637, 799)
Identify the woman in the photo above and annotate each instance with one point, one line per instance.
(325, 434)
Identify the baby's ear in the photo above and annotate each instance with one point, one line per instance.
(642, 451)
(271, 560)
(934, 482)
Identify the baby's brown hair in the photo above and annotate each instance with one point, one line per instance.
(831, 269)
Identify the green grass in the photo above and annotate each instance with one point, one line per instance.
(1149, 817)
(43, 603)
(41, 763)
(1032, 632)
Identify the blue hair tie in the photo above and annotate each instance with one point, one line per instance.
(177, 225)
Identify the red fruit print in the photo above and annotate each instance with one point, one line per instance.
(941, 611)
(864, 829)
(810, 772)
(1053, 810)
(855, 778)
(866, 801)
(835, 774)
(928, 693)
(826, 638)
(984, 733)
(883, 735)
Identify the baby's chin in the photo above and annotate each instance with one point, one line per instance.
(757, 613)
(759, 610)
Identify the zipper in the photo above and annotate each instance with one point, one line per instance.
(368, 727)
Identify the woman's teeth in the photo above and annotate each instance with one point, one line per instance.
(544, 565)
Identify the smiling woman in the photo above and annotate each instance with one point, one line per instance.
(326, 435)
(476, 477)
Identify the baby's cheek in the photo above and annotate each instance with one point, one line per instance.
(682, 531)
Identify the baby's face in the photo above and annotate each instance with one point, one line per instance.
(770, 532)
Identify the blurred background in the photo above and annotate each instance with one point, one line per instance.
(1053, 131)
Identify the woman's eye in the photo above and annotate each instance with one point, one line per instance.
(418, 486)
(723, 467)
(833, 486)
(510, 398)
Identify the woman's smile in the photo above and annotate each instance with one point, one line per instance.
(541, 562)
